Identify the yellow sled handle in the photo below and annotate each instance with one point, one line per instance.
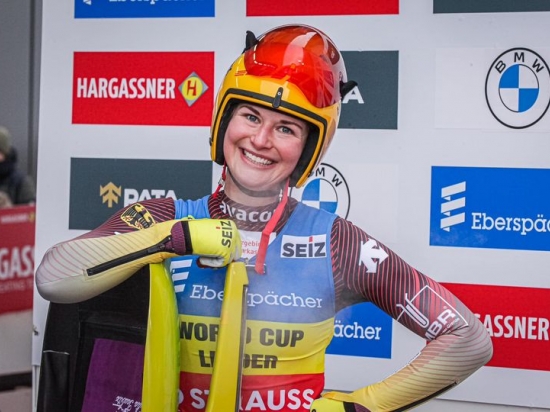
(225, 386)
(161, 364)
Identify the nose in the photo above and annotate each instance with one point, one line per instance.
(261, 137)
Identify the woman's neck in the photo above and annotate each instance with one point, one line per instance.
(237, 194)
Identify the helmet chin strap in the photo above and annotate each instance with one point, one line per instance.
(253, 193)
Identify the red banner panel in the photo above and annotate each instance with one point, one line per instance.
(143, 88)
(320, 7)
(518, 320)
(17, 226)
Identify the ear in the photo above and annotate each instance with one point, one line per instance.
(251, 40)
(346, 87)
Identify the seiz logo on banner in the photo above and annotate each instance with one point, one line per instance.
(517, 88)
(326, 189)
(501, 208)
(517, 320)
(320, 7)
(100, 187)
(142, 8)
(489, 6)
(362, 330)
(372, 104)
(143, 88)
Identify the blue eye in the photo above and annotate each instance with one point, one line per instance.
(252, 118)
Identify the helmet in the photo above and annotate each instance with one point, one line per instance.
(295, 69)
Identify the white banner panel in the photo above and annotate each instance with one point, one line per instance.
(493, 89)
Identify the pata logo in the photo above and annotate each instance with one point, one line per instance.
(111, 193)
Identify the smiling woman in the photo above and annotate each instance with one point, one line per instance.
(262, 148)
(276, 113)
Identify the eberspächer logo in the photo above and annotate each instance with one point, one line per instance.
(482, 207)
(326, 189)
(362, 330)
(517, 88)
(453, 200)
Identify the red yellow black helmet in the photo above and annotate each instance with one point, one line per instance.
(295, 69)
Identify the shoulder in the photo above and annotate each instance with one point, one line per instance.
(197, 208)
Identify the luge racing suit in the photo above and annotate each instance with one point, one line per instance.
(317, 263)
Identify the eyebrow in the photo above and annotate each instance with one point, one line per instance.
(284, 121)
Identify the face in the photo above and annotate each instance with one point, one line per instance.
(262, 147)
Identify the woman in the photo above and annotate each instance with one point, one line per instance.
(276, 113)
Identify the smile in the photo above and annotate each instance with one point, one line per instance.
(256, 159)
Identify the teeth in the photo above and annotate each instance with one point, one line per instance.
(256, 159)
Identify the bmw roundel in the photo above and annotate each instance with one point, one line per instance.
(517, 88)
(325, 189)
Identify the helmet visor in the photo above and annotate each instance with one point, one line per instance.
(302, 56)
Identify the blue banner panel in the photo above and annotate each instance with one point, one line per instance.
(362, 330)
(499, 208)
(90, 9)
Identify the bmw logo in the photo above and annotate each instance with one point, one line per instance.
(325, 189)
(517, 88)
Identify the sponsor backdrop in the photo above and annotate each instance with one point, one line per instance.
(442, 152)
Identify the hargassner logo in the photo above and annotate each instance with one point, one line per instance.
(100, 187)
(149, 88)
(506, 208)
(517, 88)
(517, 320)
(143, 8)
(453, 205)
(326, 189)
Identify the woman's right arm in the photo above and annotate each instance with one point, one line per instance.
(88, 265)
(141, 234)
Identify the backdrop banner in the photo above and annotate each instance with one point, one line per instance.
(16, 258)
